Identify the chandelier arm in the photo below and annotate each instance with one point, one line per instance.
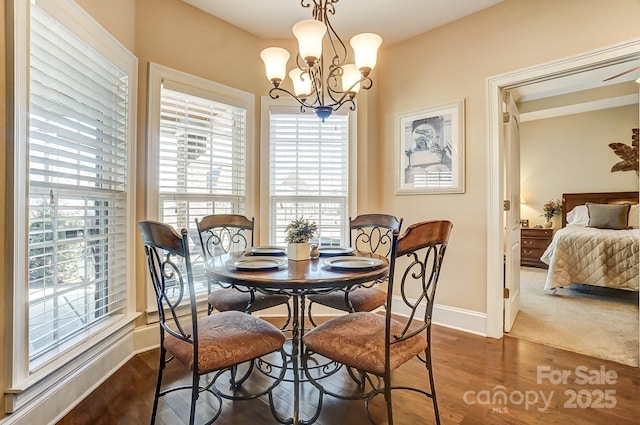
(306, 4)
(332, 85)
(275, 92)
(315, 76)
(339, 99)
(340, 53)
(352, 106)
(321, 11)
(320, 8)
(365, 84)
(345, 100)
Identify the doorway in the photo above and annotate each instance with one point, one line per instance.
(627, 52)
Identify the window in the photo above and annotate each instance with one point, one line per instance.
(198, 141)
(201, 160)
(309, 173)
(73, 190)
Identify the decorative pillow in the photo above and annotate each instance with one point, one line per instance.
(578, 216)
(634, 217)
(609, 216)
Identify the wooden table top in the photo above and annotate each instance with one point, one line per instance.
(306, 274)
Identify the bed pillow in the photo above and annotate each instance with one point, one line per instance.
(578, 216)
(609, 216)
(634, 217)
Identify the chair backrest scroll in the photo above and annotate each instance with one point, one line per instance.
(171, 274)
(415, 264)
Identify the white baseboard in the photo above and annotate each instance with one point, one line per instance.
(449, 317)
(460, 319)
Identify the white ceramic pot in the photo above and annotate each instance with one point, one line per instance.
(298, 251)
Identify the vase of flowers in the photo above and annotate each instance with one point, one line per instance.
(551, 209)
(298, 234)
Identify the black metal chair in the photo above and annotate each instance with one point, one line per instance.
(376, 344)
(367, 233)
(224, 233)
(209, 346)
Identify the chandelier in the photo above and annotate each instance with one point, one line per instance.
(324, 90)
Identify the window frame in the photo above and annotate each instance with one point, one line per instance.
(286, 104)
(26, 384)
(201, 87)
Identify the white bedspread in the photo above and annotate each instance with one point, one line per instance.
(599, 257)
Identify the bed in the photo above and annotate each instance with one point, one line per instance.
(602, 256)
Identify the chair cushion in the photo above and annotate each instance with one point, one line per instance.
(226, 339)
(362, 299)
(357, 340)
(231, 299)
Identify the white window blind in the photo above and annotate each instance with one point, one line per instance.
(201, 161)
(78, 189)
(202, 158)
(309, 174)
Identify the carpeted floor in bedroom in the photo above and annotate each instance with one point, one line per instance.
(599, 322)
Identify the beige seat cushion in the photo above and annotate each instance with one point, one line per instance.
(234, 300)
(226, 339)
(357, 340)
(362, 299)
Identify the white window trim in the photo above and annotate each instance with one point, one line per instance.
(207, 89)
(265, 150)
(24, 386)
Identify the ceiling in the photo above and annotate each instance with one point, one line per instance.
(580, 91)
(393, 21)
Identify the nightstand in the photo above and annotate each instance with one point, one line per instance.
(533, 243)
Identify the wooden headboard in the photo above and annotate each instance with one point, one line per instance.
(571, 200)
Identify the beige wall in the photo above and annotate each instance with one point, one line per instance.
(116, 16)
(571, 154)
(453, 62)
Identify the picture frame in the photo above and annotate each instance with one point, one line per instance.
(431, 150)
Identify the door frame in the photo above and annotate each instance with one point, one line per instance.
(496, 156)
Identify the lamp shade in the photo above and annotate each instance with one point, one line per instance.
(309, 34)
(275, 62)
(301, 82)
(365, 47)
(350, 76)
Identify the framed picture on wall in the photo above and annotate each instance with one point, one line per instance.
(430, 150)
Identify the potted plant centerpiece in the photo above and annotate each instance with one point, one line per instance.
(298, 234)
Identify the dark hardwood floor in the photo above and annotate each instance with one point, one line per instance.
(479, 381)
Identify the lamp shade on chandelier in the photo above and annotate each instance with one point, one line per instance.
(322, 89)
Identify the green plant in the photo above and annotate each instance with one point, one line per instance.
(300, 230)
(552, 208)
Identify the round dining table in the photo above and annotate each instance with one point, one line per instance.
(269, 274)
